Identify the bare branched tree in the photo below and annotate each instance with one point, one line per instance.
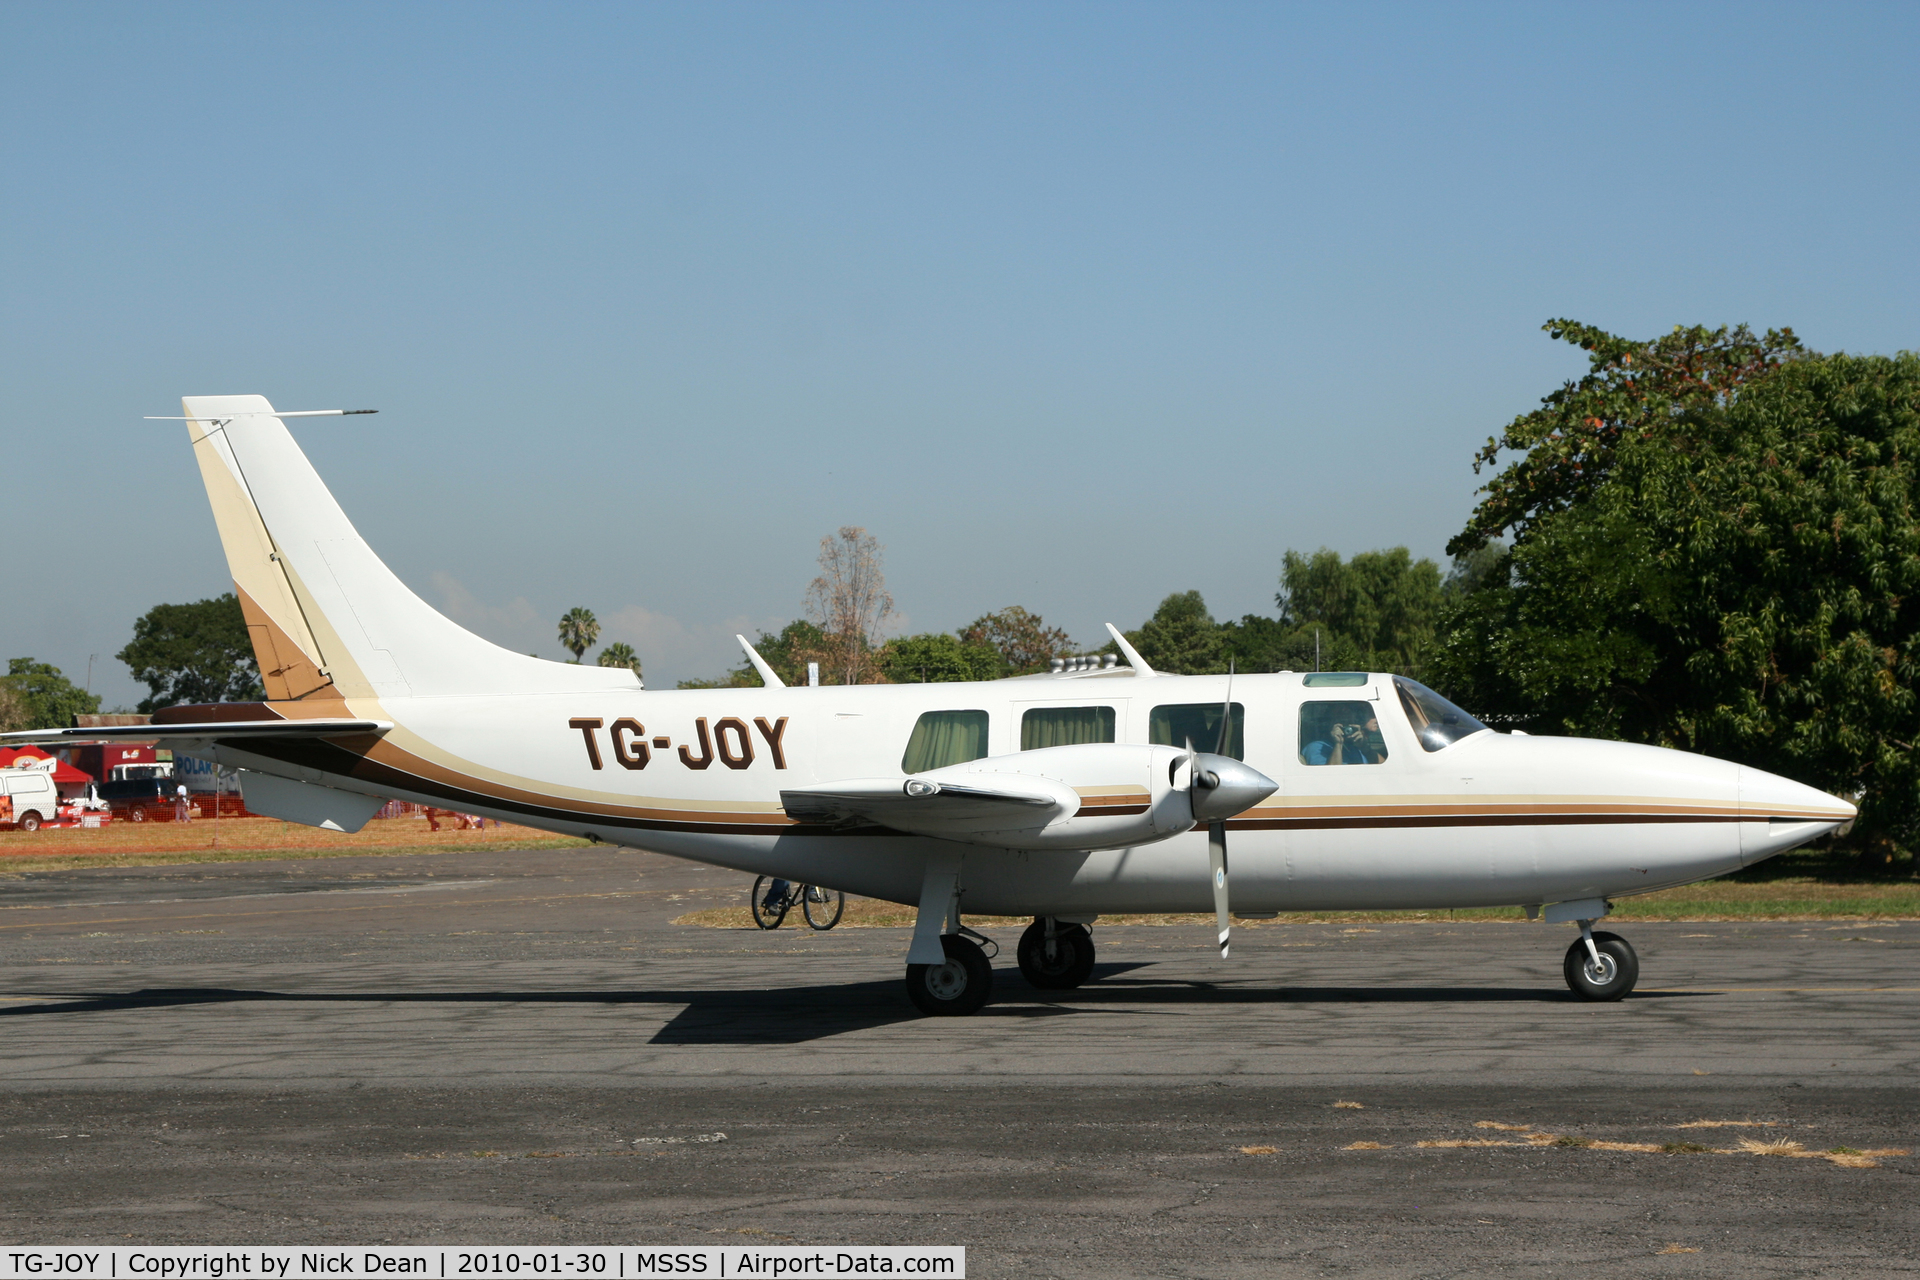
(849, 602)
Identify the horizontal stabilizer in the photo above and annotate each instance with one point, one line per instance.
(305, 803)
(323, 728)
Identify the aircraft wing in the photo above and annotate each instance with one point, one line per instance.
(326, 728)
(925, 806)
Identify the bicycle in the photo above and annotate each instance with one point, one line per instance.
(822, 907)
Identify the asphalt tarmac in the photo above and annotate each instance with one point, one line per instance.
(523, 1048)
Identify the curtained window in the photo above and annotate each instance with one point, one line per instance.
(941, 738)
(1199, 723)
(1065, 726)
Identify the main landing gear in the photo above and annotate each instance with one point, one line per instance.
(1601, 966)
(960, 985)
(948, 973)
(1055, 956)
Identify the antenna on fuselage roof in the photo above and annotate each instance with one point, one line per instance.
(1134, 660)
(767, 674)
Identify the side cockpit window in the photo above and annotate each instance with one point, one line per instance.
(941, 738)
(1177, 724)
(1436, 722)
(1341, 733)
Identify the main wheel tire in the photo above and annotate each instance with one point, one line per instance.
(1072, 962)
(1619, 968)
(822, 907)
(959, 986)
(138, 815)
(29, 822)
(767, 917)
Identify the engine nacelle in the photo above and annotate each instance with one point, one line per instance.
(1100, 795)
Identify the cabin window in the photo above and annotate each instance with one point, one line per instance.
(1065, 726)
(1436, 722)
(1334, 679)
(1179, 723)
(941, 738)
(1341, 733)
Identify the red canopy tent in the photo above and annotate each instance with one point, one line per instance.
(64, 774)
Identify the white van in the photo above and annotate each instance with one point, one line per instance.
(29, 798)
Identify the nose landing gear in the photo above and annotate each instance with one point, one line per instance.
(1601, 966)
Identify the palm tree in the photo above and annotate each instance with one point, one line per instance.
(620, 654)
(578, 630)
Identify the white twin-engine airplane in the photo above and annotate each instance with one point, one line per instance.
(1059, 796)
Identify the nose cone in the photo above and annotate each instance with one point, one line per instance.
(1223, 786)
(1778, 814)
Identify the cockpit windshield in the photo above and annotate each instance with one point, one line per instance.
(1436, 722)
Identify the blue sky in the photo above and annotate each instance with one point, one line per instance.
(1071, 305)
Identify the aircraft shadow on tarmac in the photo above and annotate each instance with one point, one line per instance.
(793, 1015)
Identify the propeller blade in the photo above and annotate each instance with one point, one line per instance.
(1220, 787)
(1226, 715)
(1217, 854)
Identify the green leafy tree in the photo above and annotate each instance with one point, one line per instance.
(936, 657)
(15, 713)
(1023, 640)
(1736, 571)
(1257, 643)
(1632, 391)
(1384, 605)
(37, 696)
(1181, 637)
(1475, 568)
(787, 651)
(620, 654)
(579, 629)
(194, 653)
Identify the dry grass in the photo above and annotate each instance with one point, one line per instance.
(1366, 1146)
(1258, 1151)
(1715, 900)
(1344, 1105)
(1845, 1157)
(1794, 888)
(1729, 1124)
(1677, 1248)
(147, 844)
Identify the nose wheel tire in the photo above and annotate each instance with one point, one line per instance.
(959, 986)
(1612, 978)
(1071, 963)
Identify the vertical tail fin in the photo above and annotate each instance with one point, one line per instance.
(327, 618)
